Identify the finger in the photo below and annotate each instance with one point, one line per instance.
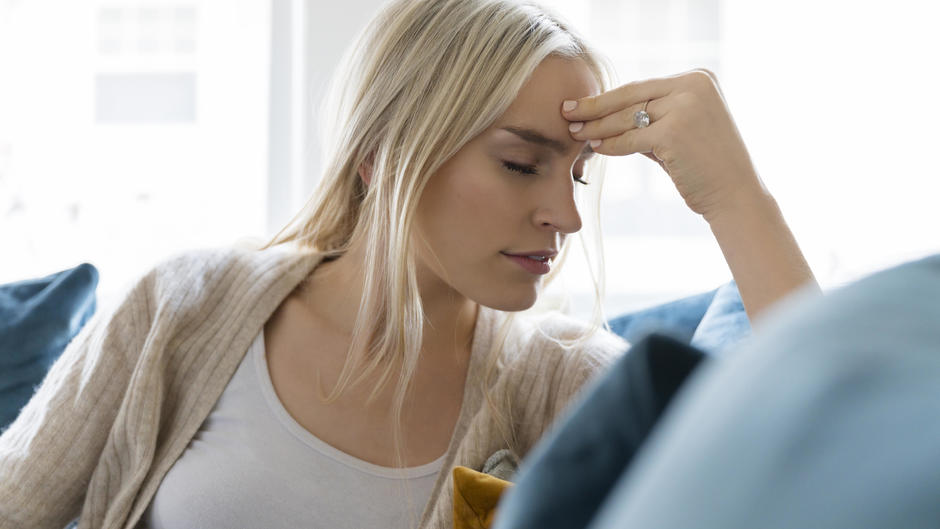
(593, 107)
(617, 151)
(615, 123)
(630, 142)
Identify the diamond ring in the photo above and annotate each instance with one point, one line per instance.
(642, 119)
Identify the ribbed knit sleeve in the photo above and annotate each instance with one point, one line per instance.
(130, 391)
(48, 454)
(560, 359)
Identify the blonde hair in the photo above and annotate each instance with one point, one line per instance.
(422, 79)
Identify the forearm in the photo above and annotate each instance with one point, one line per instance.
(760, 249)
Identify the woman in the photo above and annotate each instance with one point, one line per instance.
(333, 378)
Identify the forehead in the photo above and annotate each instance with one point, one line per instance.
(538, 103)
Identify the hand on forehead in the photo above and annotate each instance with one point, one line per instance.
(536, 106)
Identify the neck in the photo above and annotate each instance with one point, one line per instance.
(335, 288)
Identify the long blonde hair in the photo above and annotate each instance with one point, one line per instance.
(422, 79)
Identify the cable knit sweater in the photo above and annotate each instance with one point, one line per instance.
(126, 397)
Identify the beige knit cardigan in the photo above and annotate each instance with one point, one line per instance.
(131, 390)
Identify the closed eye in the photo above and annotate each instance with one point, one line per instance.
(524, 169)
(533, 170)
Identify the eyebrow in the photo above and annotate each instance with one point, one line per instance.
(536, 137)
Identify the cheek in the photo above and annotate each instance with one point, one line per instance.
(468, 210)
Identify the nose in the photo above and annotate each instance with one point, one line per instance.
(556, 208)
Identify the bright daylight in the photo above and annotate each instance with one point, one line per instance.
(292, 263)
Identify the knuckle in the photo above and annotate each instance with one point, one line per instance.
(626, 116)
(627, 143)
(710, 74)
(584, 104)
(596, 105)
(632, 86)
(702, 77)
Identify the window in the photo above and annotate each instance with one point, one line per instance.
(129, 131)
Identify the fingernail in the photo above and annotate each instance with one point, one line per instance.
(569, 105)
(595, 144)
(576, 126)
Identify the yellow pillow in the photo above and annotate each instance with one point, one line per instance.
(475, 497)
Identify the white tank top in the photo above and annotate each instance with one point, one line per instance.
(252, 465)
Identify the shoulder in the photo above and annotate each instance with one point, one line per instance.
(183, 283)
(190, 286)
(549, 359)
(553, 355)
(177, 278)
(201, 266)
(187, 276)
(164, 289)
(572, 346)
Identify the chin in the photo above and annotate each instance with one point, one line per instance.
(510, 300)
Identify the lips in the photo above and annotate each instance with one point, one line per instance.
(536, 262)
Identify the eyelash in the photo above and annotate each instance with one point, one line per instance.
(530, 170)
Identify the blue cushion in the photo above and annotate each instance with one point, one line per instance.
(677, 319)
(38, 318)
(724, 324)
(797, 415)
(567, 475)
(712, 321)
(826, 418)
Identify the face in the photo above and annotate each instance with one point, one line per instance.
(492, 217)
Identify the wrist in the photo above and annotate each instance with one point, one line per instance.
(742, 205)
(760, 249)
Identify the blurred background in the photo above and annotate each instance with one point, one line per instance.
(132, 130)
